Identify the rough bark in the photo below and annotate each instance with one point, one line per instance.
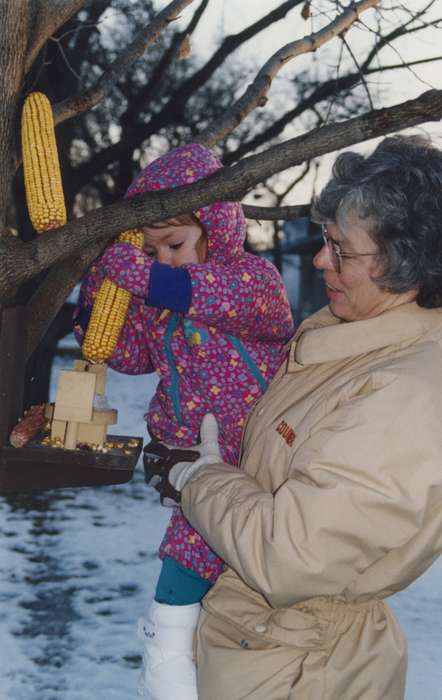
(68, 251)
(51, 294)
(22, 261)
(256, 93)
(15, 19)
(87, 99)
(136, 134)
(47, 17)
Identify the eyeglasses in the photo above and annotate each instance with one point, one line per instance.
(335, 252)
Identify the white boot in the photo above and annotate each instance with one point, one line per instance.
(169, 670)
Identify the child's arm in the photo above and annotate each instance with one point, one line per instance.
(131, 354)
(245, 297)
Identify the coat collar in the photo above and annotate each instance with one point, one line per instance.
(323, 338)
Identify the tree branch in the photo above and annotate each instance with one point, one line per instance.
(398, 66)
(50, 296)
(403, 29)
(255, 95)
(48, 17)
(22, 261)
(322, 92)
(61, 279)
(178, 100)
(228, 46)
(360, 73)
(276, 213)
(84, 101)
(153, 87)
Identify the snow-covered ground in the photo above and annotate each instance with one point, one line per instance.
(78, 567)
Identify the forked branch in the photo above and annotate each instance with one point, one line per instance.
(231, 183)
(256, 93)
(85, 100)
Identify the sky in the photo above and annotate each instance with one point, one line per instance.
(230, 16)
(224, 17)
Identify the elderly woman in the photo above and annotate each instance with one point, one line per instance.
(339, 501)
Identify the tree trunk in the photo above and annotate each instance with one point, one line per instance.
(15, 23)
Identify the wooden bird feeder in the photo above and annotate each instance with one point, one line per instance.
(75, 450)
(73, 418)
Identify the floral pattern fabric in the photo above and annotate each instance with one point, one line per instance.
(220, 356)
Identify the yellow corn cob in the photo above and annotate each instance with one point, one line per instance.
(109, 311)
(44, 190)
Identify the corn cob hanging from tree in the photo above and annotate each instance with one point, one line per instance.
(45, 199)
(109, 311)
(43, 185)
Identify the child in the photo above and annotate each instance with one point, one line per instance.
(212, 321)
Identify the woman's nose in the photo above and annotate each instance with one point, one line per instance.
(322, 259)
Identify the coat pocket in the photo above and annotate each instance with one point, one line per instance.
(235, 664)
(260, 626)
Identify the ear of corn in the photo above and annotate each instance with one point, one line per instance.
(132, 236)
(109, 312)
(44, 190)
(45, 199)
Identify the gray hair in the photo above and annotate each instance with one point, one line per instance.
(396, 193)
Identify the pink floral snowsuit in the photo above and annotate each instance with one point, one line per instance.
(217, 357)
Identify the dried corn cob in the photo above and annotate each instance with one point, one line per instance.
(109, 311)
(33, 421)
(44, 190)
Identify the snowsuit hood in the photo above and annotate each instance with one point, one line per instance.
(223, 222)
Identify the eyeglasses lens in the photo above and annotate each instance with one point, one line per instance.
(334, 257)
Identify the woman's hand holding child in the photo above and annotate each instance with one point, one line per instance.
(209, 451)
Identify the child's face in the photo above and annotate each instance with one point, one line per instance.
(174, 244)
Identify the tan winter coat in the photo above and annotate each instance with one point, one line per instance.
(337, 506)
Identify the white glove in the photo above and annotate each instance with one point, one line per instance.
(208, 448)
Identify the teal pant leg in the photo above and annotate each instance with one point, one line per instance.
(178, 585)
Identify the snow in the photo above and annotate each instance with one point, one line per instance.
(79, 566)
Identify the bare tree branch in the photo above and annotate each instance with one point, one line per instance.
(255, 95)
(228, 46)
(52, 292)
(178, 100)
(276, 213)
(329, 88)
(404, 29)
(61, 279)
(361, 74)
(87, 99)
(153, 87)
(320, 93)
(48, 17)
(21, 261)
(334, 94)
(280, 196)
(397, 66)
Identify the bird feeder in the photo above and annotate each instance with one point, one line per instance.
(73, 449)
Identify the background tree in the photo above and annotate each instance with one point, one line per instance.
(163, 96)
(116, 106)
